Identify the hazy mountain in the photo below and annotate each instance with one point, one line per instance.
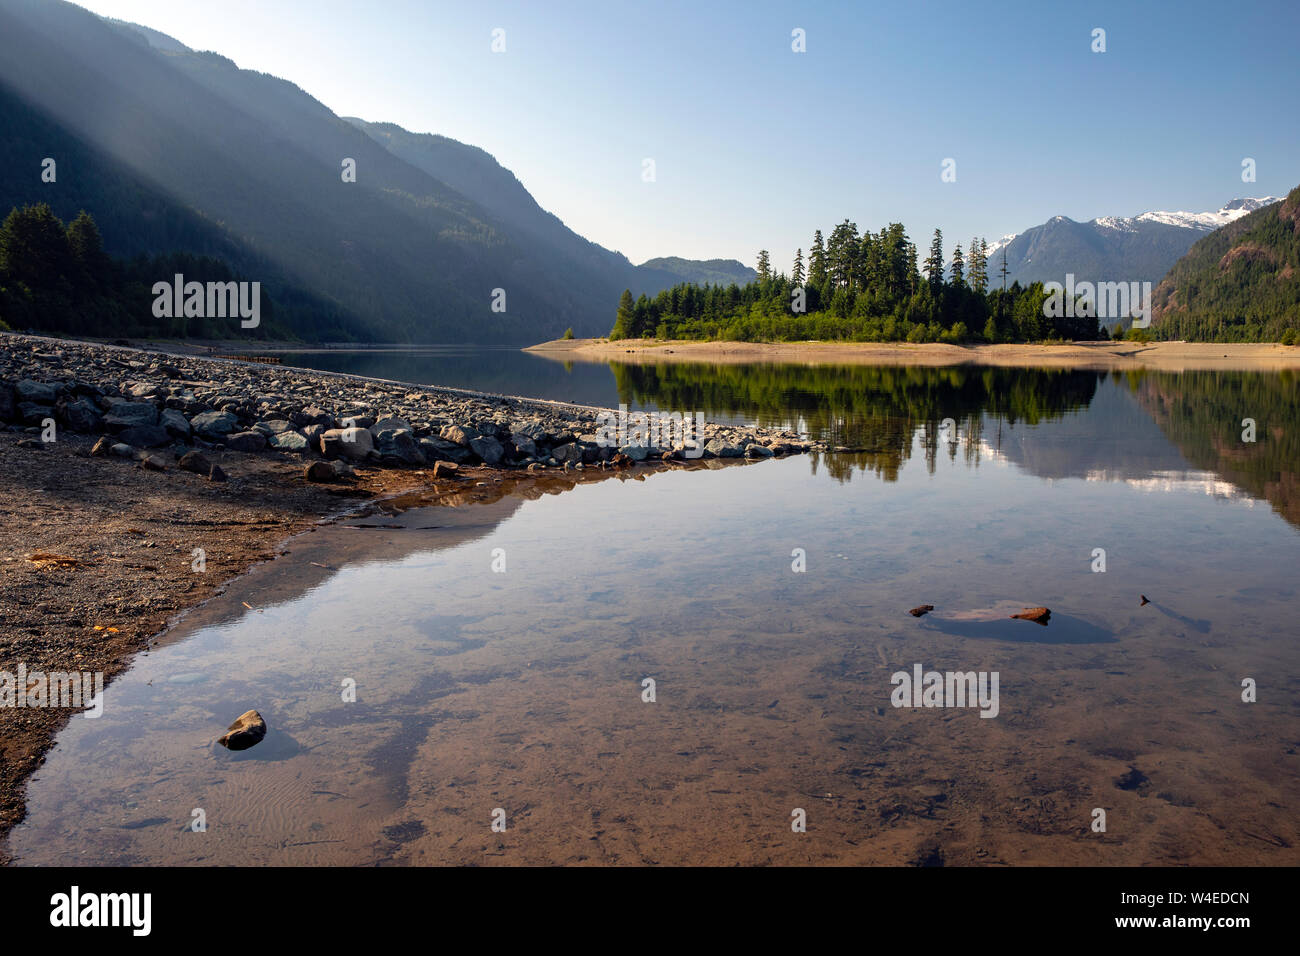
(258, 162)
(711, 271)
(137, 219)
(1110, 248)
(1240, 282)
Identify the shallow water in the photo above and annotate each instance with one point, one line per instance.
(522, 689)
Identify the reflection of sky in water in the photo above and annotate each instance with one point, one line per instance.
(705, 555)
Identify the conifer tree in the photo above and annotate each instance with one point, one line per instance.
(934, 265)
(817, 261)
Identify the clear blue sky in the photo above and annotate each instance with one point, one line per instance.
(756, 146)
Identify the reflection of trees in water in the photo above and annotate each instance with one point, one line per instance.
(1202, 412)
(874, 411)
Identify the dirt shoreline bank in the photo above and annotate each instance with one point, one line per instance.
(1165, 356)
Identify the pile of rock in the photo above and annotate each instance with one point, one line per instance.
(144, 400)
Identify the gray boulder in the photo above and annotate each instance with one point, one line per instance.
(38, 393)
(126, 414)
(533, 430)
(489, 449)
(145, 436)
(82, 416)
(353, 443)
(311, 415)
(721, 448)
(523, 444)
(30, 413)
(289, 441)
(177, 425)
(246, 441)
(389, 424)
(274, 427)
(439, 449)
(460, 434)
(397, 446)
(213, 425)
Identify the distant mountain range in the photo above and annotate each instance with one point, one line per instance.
(174, 150)
(708, 272)
(1111, 248)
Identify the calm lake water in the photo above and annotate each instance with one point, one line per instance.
(521, 690)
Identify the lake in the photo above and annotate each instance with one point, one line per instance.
(488, 662)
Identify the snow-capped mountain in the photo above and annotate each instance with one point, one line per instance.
(1111, 248)
(1203, 221)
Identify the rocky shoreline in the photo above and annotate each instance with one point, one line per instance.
(153, 454)
(148, 403)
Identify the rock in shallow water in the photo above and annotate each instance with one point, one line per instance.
(247, 730)
(1039, 615)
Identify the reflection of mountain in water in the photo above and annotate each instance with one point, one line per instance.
(1112, 438)
(1202, 413)
(1156, 431)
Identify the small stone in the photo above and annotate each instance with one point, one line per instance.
(196, 462)
(247, 731)
(152, 463)
(216, 474)
(1039, 615)
(921, 610)
(445, 469)
(122, 451)
(319, 471)
(102, 447)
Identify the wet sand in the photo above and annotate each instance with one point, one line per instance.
(1166, 356)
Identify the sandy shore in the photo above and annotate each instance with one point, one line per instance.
(1165, 356)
